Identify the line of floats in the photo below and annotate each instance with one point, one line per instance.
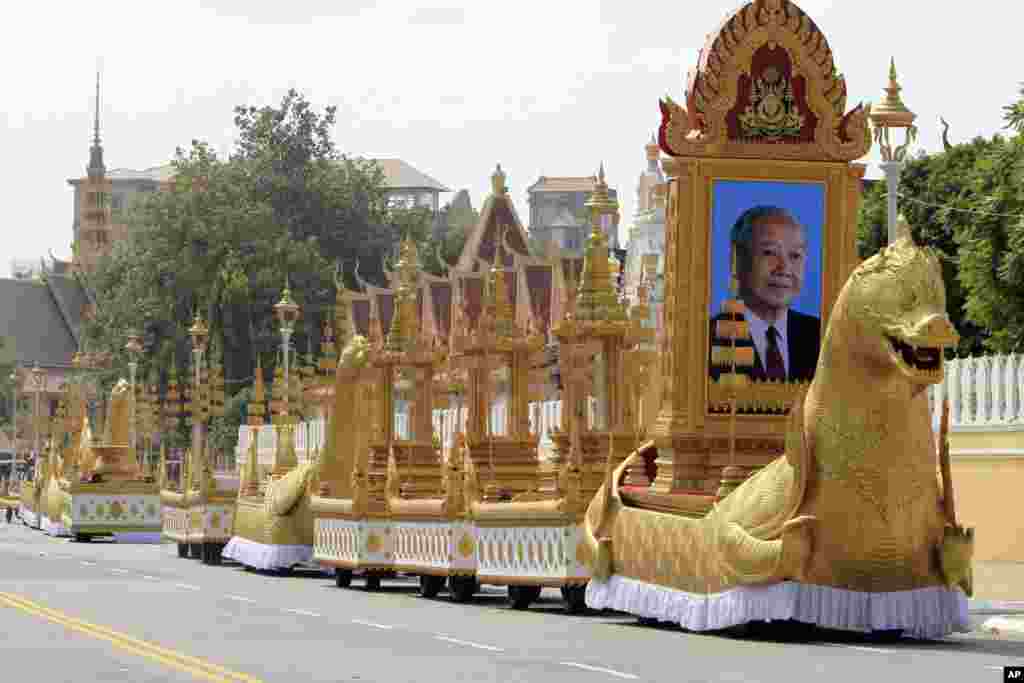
(381, 497)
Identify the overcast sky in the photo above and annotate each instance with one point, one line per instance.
(544, 88)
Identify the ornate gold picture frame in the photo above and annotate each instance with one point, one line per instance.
(689, 237)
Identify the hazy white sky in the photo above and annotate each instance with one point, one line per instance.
(550, 88)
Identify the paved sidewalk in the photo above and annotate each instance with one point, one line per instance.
(999, 595)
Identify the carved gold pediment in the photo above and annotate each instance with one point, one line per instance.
(766, 86)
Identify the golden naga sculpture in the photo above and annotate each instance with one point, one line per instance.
(848, 528)
(273, 521)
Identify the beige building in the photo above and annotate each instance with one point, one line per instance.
(558, 213)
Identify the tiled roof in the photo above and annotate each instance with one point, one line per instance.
(155, 174)
(70, 299)
(399, 175)
(30, 315)
(564, 184)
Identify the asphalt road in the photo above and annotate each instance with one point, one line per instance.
(138, 613)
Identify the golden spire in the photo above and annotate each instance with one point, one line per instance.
(500, 308)
(597, 299)
(498, 187)
(161, 476)
(891, 111)
(259, 395)
(252, 473)
(404, 319)
(343, 327)
(652, 149)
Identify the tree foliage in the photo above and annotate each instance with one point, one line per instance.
(991, 241)
(968, 203)
(929, 182)
(227, 233)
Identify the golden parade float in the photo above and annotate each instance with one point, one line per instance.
(273, 521)
(382, 410)
(489, 512)
(390, 501)
(836, 514)
(198, 513)
(529, 535)
(9, 498)
(103, 490)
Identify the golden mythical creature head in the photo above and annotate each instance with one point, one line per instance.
(892, 312)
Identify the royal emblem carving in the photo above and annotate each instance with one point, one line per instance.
(772, 112)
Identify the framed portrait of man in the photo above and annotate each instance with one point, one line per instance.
(766, 257)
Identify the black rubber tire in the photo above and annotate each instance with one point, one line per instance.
(430, 586)
(575, 598)
(647, 621)
(195, 550)
(183, 550)
(343, 578)
(82, 538)
(521, 597)
(372, 582)
(461, 589)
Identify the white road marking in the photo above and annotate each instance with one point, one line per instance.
(187, 586)
(301, 611)
(469, 644)
(599, 669)
(88, 564)
(862, 648)
(120, 571)
(240, 598)
(370, 623)
(150, 578)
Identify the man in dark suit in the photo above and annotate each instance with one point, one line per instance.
(771, 259)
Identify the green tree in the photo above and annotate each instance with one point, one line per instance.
(927, 183)
(1014, 113)
(313, 190)
(208, 243)
(991, 241)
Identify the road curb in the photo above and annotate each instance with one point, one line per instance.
(996, 606)
(1003, 625)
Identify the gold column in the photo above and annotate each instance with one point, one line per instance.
(674, 419)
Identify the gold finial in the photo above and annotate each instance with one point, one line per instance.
(498, 182)
(501, 312)
(891, 113)
(652, 149)
(404, 320)
(597, 299)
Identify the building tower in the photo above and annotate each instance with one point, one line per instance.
(92, 236)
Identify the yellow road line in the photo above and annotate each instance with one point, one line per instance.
(176, 660)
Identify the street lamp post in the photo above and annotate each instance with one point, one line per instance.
(891, 114)
(134, 348)
(200, 335)
(38, 381)
(287, 313)
(14, 419)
